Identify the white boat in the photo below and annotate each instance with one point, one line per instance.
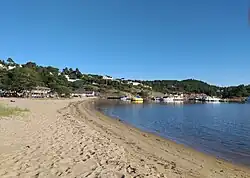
(211, 99)
(125, 98)
(178, 97)
(168, 99)
(173, 98)
(248, 100)
(157, 99)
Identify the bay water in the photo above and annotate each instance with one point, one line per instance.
(219, 129)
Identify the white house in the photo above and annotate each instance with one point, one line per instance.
(70, 80)
(146, 86)
(83, 94)
(93, 83)
(40, 92)
(134, 83)
(11, 67)
(89, 93)
(105, 77)
(2, 66)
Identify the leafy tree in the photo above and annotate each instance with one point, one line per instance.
(63, 90)
(31, 65)
(11, 61)
(20, 79)
(52, 70)
(78, 84)
(3, 62)
(65, 71)
(78, 73)
(4, 79)
(70, 70)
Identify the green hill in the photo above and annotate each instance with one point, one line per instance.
(21, 77)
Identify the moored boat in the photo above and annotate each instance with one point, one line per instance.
(156, 99)
(168, 99)
(178, 97)
(173, 98)
(125, 98)
(211, 99)
(137, 99)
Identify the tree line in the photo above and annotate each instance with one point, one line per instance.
(25, 77)
(196, 86)
(21, 77)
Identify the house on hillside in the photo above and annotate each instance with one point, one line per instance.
(146, 86)
(90, 93)
(106, 77)
(1, 92)
(83, 93)
(70, 80)
(134, 83)
(11, 67)
(11, 93)
(94, 83)
(2, 66)
(40, 92)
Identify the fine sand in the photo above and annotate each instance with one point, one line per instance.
(69, 138)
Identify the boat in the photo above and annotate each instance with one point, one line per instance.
(168, 99)
(173, 98)
(248, 100)
(156, 99)
(211, 99)
(137, 99)
(125, 98)
(178, 97)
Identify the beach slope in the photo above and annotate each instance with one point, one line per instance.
(69, 138)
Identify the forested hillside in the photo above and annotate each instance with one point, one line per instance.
(20, 77)
(196, 86)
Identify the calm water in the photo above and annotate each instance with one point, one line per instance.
(219, 129)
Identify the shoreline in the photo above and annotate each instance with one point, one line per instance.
(166, 141)
(206, 153)
(71, 138)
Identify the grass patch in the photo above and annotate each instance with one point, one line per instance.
(8, 111)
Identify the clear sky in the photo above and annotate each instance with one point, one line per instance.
(139, 39)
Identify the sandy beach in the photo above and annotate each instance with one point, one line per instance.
(69, 138)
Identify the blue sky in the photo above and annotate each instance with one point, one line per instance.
(138, 39)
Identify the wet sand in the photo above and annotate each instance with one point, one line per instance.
(70, 138)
